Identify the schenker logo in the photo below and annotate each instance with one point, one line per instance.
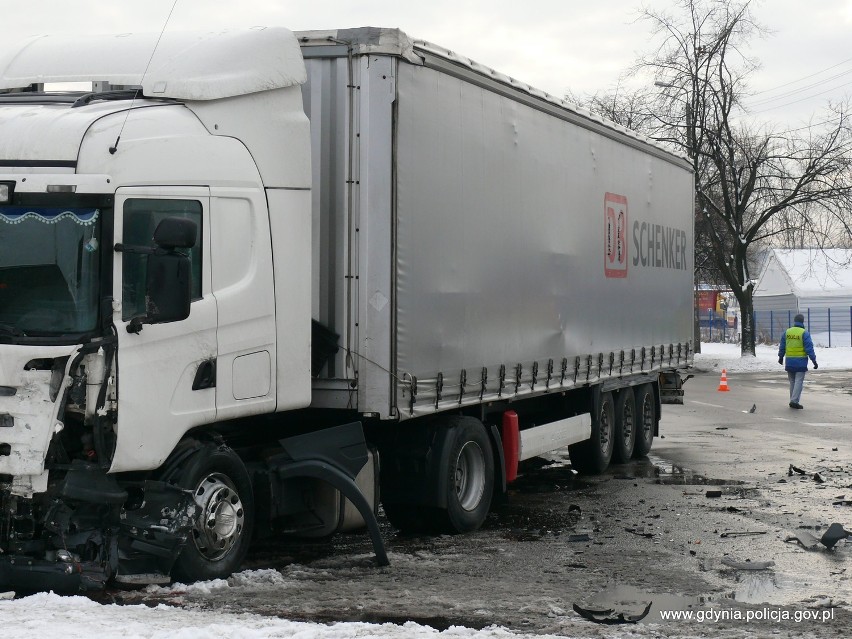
(654, 245)
(615, 235)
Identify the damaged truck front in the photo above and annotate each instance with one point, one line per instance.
(65, 522)
(138, 307)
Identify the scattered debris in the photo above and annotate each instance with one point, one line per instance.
(721, 428)
(806, 539)
(748, 564)
(713, 493)
(579, 537)
(818, 478)
(742, 533)
(753, 408)
(794, 469)
(574, 508)
(842, 502)
(641, 533)
(611, 617)
(834, 534)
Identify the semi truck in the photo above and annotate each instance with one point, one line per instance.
(257, 283)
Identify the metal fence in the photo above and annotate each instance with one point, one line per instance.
(829, 327)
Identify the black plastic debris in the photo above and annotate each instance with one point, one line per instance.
(794, 469)
(842, 502)
(610, 616)
(818, 478)
(640, 532)
(834, 534)
(742, 533)
(713, 493)
(748, 564)
(753, 408)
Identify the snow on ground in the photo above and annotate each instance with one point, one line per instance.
(714, 357)
(49, 615)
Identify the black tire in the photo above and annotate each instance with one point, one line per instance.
(224, 520)
(625, 426)
(470, 475)
(592, 456)
(646, 419)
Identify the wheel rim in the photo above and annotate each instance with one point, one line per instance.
(470, 475)
(219, 525)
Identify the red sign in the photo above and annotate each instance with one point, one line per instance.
(615, 235)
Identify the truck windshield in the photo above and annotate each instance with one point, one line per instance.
(49, 270)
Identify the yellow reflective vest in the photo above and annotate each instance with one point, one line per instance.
(794, 342)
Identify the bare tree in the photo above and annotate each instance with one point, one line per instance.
(631, 109)
(752, 184)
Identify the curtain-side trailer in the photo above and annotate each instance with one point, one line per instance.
(256, 284)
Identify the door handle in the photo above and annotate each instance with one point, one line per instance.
(205, 376)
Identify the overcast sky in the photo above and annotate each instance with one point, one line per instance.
(555, 45)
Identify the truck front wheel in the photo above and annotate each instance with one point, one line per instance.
(221, 531)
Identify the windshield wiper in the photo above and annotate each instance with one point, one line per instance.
(10, 329)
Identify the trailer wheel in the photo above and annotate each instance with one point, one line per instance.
(646, 419)
(224, 516)
(592, 456)
(470, 480)
(625, 426)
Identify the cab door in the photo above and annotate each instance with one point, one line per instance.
(165, 372)
(244, 286)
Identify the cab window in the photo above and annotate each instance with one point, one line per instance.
(141, 217)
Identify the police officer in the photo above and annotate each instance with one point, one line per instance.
(798, 347)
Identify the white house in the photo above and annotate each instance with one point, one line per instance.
(814, 282)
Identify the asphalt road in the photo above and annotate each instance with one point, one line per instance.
(682, 531)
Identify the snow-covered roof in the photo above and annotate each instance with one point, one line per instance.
(807, 272)
(179, 64)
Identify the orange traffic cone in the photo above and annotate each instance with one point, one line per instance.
(723, 383)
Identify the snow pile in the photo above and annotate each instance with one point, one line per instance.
(49, 615)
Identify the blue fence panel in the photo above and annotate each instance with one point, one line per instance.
(829, 327)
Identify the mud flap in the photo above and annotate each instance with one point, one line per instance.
(335, 456)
